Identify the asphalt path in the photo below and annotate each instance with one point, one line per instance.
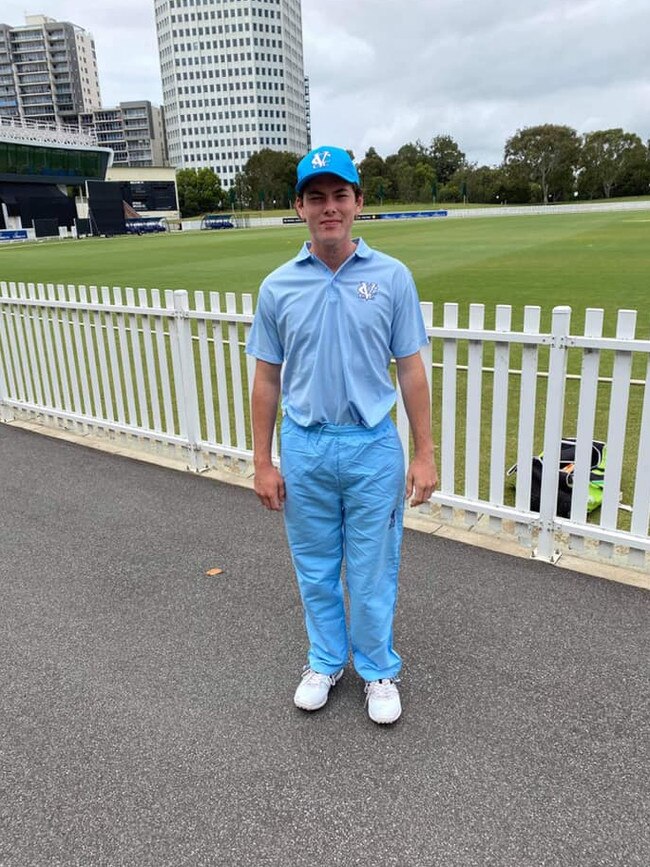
(146, 712)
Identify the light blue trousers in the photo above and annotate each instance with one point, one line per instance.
(345, 502)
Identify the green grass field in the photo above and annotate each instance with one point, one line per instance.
(579, 260)
(583, 260)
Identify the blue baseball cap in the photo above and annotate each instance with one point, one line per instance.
(326, 161)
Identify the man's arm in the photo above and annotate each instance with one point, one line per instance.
(422, 474)
(269, 485)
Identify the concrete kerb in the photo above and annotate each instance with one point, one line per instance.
(424, 520)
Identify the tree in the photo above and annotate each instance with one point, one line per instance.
(410, 173)
(445, 157)
(371, 166)
(267, 177)
(199, 191)
(547, 155)
(411, 154)
(478, 184)
(375, 181)
(424, 178)
(635, 175)
(609, 158)
(377, 189)
(401, 174)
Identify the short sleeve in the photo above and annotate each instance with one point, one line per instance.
(408, 333)
(264, 341)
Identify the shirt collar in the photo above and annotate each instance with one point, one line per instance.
(363, 251)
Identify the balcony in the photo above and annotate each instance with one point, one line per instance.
(34, 89)
(45, 113)
(35, 101)
(29, 36)
(39, 78)
(26, 59)
(43, 128)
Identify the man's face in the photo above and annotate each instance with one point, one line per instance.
(329, 206)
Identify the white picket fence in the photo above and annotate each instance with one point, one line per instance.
(147, 366)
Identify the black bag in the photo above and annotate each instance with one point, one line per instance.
(565, 481)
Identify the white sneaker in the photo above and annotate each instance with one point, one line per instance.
(382, 698)
(314, 689)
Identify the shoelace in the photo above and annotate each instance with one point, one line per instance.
(380, 688)
(310, 676)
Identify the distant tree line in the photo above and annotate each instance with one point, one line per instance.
(546, 163)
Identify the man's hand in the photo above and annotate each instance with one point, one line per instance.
(421, 480)
(269, 484)
(269, 487)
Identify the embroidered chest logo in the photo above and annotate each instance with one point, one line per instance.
(367, 291)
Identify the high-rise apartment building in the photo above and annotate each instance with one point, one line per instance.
(233, 81)
(134, 131)
(48, 70)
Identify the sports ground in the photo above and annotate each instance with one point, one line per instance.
(582, 260)
(597, 260)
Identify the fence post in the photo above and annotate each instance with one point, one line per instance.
(553, 434)
(426, 354)
(5, 412)
(185, 376)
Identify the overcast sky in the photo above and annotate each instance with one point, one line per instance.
(386, 72)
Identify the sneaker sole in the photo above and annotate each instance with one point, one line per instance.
(311, 707)
(386, 722)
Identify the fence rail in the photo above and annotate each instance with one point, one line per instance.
(147, 365)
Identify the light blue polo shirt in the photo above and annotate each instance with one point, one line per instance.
(335, 333)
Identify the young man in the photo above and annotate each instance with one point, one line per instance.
(330, 320)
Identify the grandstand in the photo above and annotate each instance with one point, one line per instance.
(57, 181)
(44, 170)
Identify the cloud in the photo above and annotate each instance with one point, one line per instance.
(385, 72)
(479, 70)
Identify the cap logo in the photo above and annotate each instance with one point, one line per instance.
(320, 160)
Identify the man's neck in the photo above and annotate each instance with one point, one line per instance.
(335, 255)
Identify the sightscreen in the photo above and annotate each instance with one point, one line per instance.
(106, 208)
